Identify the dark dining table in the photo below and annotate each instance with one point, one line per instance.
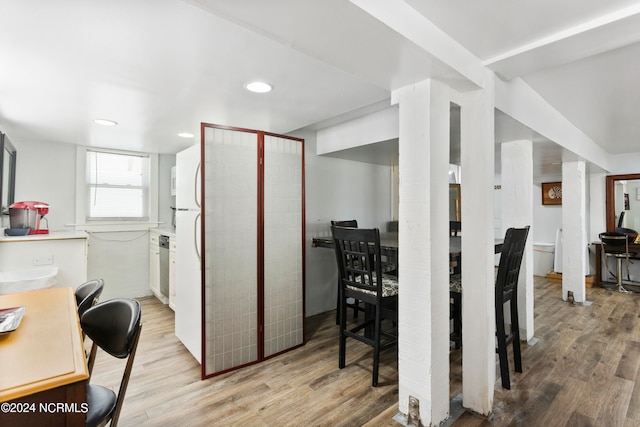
(389, 248)
(389, 244)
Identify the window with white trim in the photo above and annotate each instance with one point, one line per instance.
(117, 186)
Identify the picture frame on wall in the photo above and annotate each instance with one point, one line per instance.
(552, 193)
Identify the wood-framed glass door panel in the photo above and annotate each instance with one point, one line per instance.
(283, 244)
(230, 291)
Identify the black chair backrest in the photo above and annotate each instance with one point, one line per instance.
(358, 254)
(113, 325)
(613, 238)
(87, 294)
(346, 223)
(628, 232)
(510, 262)
(621, 219)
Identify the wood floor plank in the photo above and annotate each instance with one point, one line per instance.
(633, 412)
(629, 361)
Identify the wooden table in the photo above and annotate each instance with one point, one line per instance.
(43, 368)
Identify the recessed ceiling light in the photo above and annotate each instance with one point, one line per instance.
(186, 135)
(105, 122)
(258, 87)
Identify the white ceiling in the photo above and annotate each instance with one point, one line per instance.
(159, 67)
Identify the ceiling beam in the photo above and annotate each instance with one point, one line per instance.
(518, 100)
(605, 33)
(461, 65)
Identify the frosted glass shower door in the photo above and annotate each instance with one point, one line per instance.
(283, 244)
(230, 179)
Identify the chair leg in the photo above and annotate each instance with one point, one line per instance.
(515, 331)
(502, 348)
(338, 302)
(376, 346)
(619, 276)
(342, 309)
(457, 321)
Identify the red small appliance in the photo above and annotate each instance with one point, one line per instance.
(28, 214)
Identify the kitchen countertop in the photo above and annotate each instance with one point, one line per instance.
(166, 231)
(54, 235)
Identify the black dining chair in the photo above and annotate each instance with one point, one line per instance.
(455, 260)
(455, 309)
(387, 267)
(455, 227)
(114, 325)
(506, 291)
(353, 304)
(361, 277)
(87, 295)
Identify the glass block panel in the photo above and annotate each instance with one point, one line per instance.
(283, 261)
(230, 263)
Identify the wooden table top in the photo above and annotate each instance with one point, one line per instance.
(46, 350)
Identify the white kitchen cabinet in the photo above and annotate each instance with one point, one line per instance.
(154, 265)
(65, 250)
(172, 273)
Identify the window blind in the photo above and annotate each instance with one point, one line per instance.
(117, 186)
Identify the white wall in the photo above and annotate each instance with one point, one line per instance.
(46, 172)
(337, 189)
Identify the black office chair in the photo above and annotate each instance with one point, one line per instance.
(616, 245)
(114, 326)
(360, 271)
(506, 290)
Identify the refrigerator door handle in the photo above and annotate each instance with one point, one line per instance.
(195, 185)
(196, 237)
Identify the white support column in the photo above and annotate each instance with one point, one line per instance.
(517, 211)
(574, 232)
(423, 357)
(478, 315)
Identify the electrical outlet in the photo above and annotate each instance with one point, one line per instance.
(43, 260)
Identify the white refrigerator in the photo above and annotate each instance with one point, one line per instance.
(188, 310)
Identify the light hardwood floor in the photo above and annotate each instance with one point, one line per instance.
(583, 371)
